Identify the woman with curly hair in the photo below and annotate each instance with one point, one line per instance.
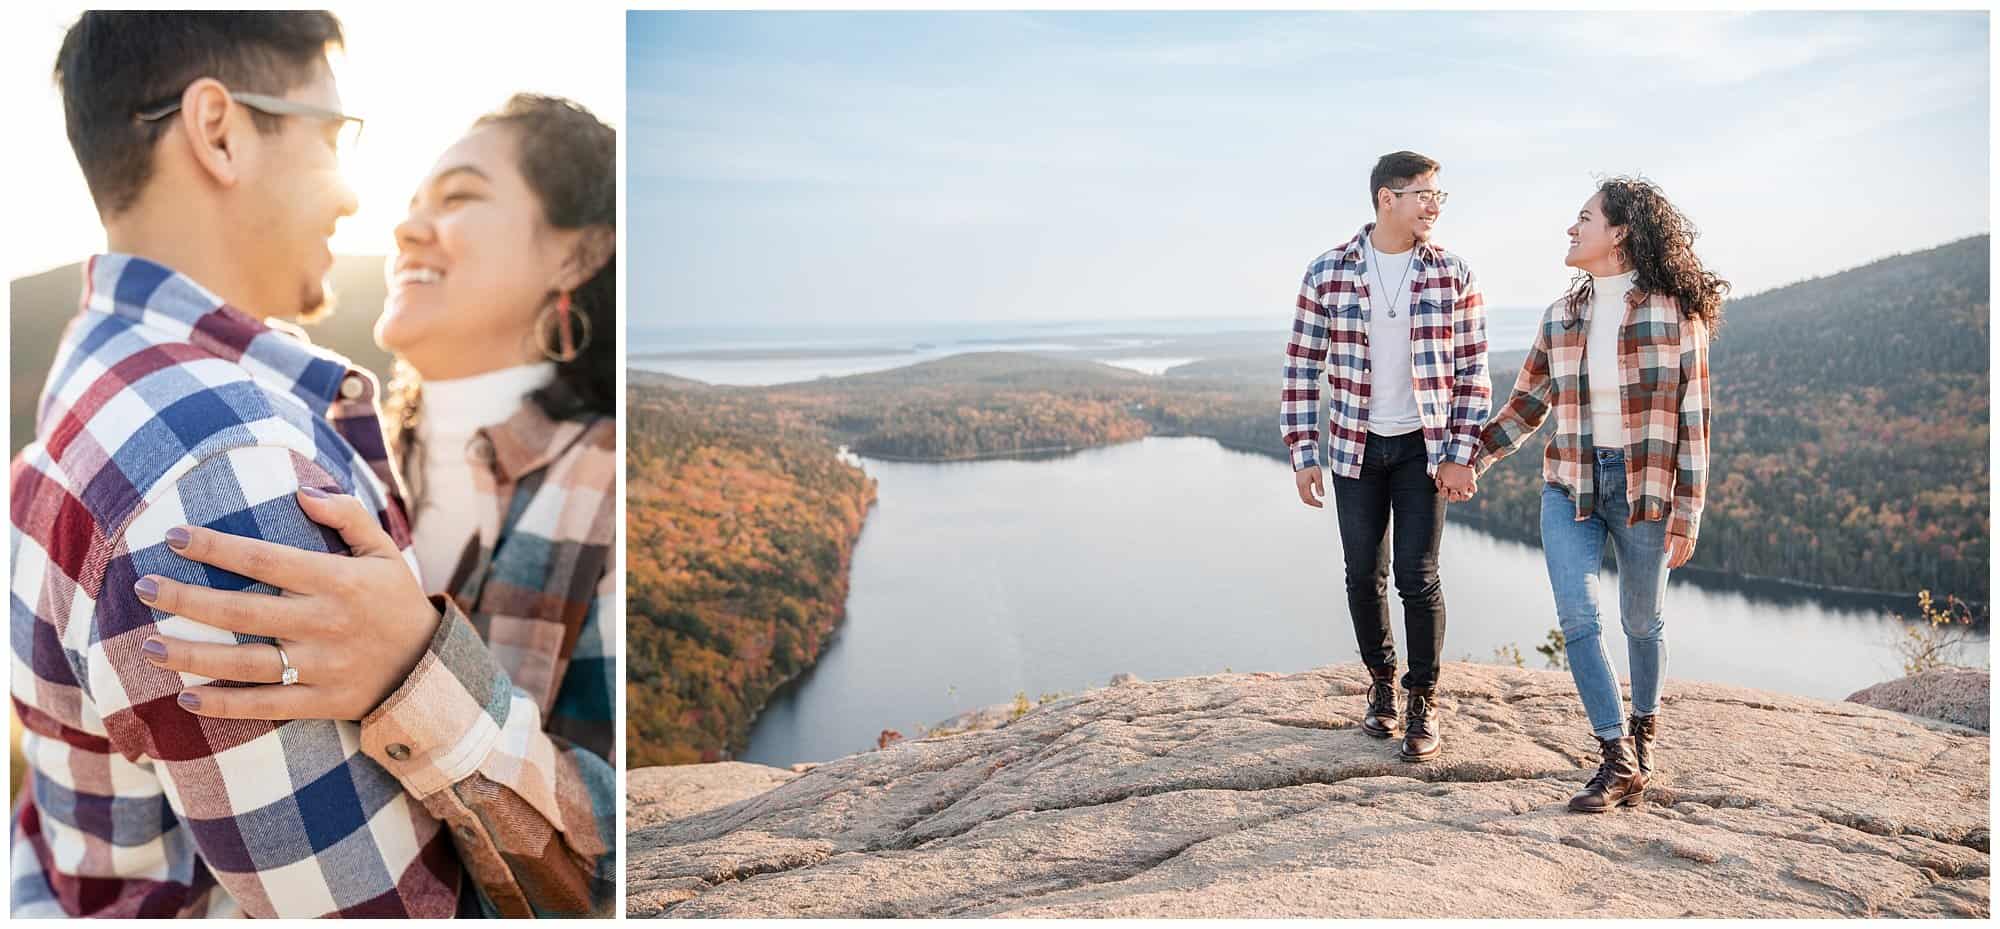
(1622, 361)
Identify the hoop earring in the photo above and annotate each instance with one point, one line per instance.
(554, 338)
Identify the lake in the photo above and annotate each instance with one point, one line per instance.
(1169, 557)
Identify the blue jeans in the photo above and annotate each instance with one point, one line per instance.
(1575, 553)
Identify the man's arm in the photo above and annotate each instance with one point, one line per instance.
(1305, 356)
(1472, 388)
(290, 818)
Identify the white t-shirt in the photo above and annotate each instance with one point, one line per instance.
(1600, 356)
(455, 411)
(1392, 403)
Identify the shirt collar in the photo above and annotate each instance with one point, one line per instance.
(277, 354)
(529, 439)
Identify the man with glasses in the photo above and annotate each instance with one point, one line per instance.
(1399, 328)
(210, 143)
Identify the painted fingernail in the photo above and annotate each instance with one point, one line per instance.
(189, 700)
(156, 650)
(146, 588)
(313, 492)
(178, 538)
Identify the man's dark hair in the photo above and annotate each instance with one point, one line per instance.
(1396, 169)
(113, 65)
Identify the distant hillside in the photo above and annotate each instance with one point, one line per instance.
(740, 525)
(42, 304)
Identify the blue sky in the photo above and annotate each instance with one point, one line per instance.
(828, 167)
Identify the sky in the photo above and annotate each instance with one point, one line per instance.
(900, 167)
(418, 73)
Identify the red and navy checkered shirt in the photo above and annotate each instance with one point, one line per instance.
(1447, 357)
(166, 407)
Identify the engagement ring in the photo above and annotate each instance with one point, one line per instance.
(291, 675)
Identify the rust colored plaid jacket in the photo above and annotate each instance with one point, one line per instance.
(1664, 398)
(536, 822)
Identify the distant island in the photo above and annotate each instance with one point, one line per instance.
(1851, 438)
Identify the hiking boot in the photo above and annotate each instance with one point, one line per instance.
(1421, 740)
(1642, 729)
(1380, 719)
(1616, 783)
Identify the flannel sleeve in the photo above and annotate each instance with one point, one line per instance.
(534, 816)
(1472, 386)
(1691, 435)
(290, 818)
(1525, 410)
(1305, 357)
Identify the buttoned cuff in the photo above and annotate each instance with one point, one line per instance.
(1484, 457)
(1305, 455)
(440, 726)
(1679, 525)
(1461, 450)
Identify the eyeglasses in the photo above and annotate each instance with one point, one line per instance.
(349, 131)
(1429, 197)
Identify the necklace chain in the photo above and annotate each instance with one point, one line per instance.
(1401, 288)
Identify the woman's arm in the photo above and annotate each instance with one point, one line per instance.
(531, 815)
(1526, 409)
(1691, 435)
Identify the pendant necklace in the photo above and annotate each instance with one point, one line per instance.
(1400, 282)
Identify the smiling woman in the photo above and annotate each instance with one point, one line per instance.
(411, 618)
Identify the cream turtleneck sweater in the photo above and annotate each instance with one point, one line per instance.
(454, 412)
(1607, 316)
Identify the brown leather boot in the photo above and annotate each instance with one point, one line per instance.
(1421, 739)
(1642, 729)
(1380, 719)
(1617, 781)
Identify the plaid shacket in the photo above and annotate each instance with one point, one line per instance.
(1447, 353)
(1664, 398)
(166, 407)
(536, 581)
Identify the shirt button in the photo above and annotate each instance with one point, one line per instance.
(466, 834)
(352, 386)
(399, 751)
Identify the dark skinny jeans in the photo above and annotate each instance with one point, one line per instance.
(1394, 487)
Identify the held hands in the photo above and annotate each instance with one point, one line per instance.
(1456, 482)
(352, 627)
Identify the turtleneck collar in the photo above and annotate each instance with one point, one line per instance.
(1618, 281)
(462, 406)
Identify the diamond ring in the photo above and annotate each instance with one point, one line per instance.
(291, 675)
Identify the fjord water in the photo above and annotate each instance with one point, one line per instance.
(1167, 557)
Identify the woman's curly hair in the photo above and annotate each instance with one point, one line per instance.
(1659, 246)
